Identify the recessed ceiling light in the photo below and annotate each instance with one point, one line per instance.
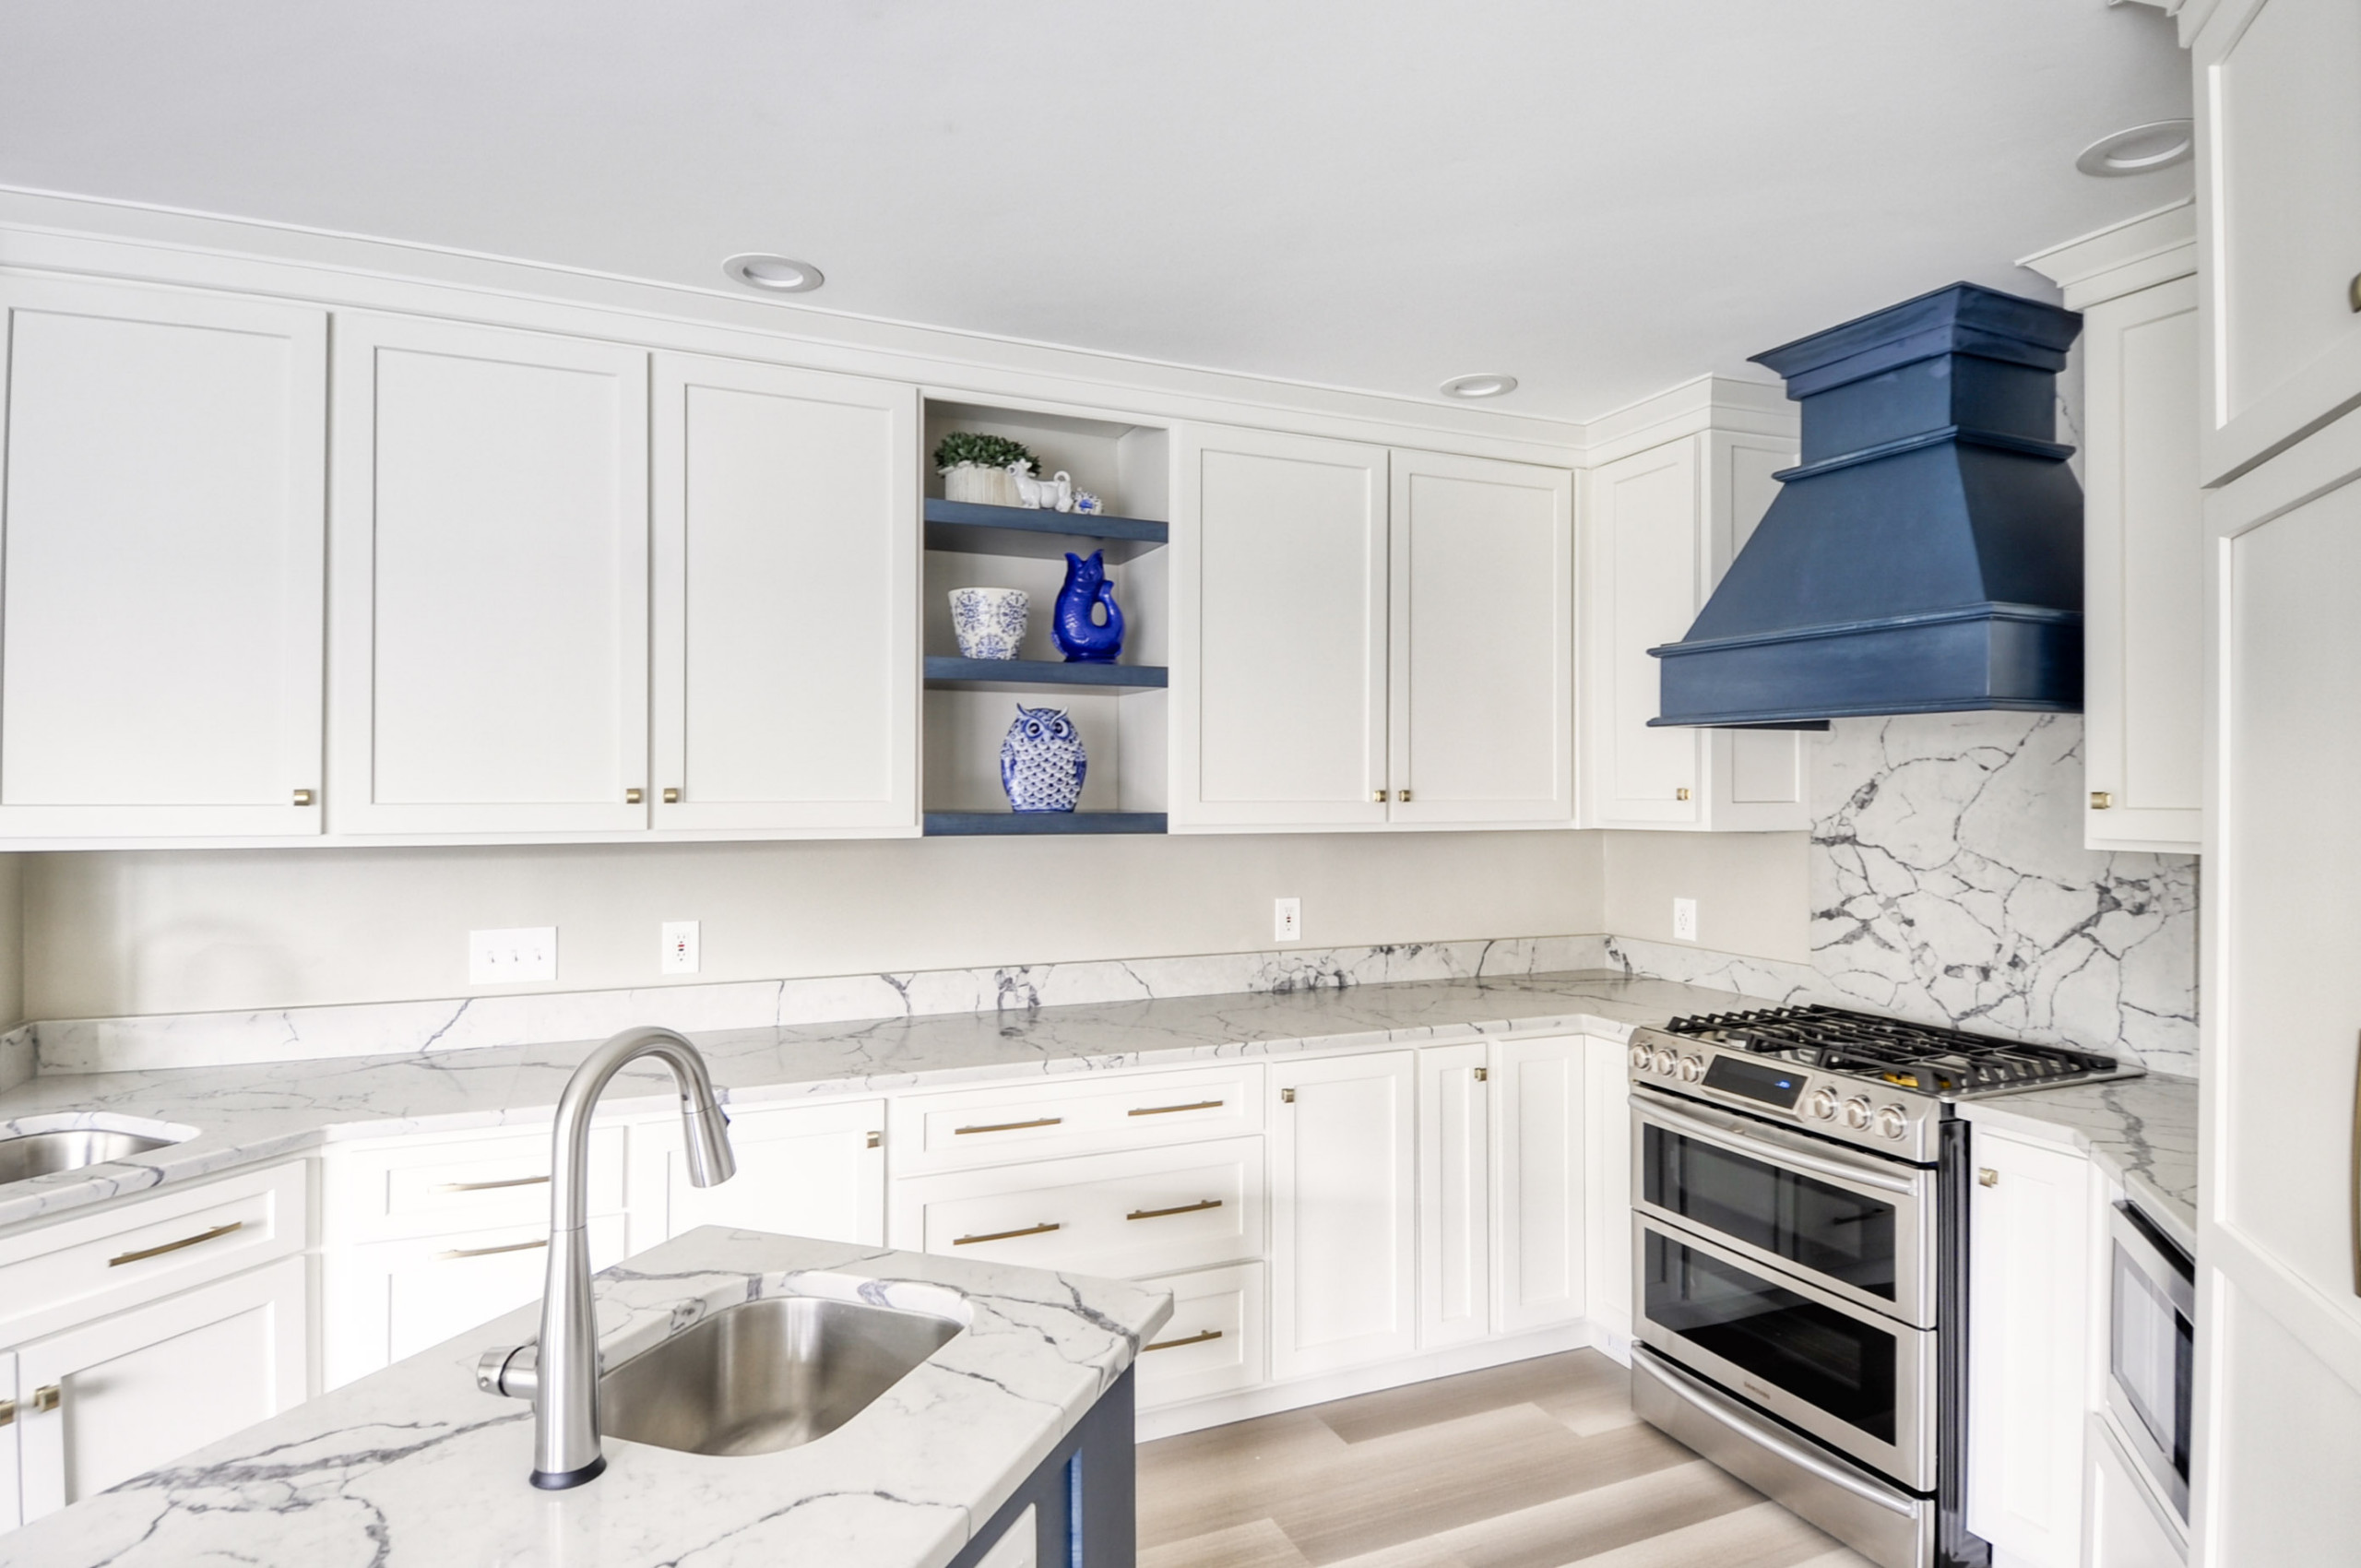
(773, 274)
(2157, 144)
(1487, 386)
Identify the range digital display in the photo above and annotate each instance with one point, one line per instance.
(1756, 1080)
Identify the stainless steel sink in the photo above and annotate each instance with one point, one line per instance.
(38, 1153)
(765, 1375)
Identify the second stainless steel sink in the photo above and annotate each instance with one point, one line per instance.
(765, 1375)
(41, 1154)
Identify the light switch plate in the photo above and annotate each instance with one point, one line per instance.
(1684, 919)
(680, 948)
(1287, 919)
(512, 956)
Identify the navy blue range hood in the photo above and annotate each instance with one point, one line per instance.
(1926, 556)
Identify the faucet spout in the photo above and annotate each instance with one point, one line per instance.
(565, 1381)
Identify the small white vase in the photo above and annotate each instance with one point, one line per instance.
(983, 486)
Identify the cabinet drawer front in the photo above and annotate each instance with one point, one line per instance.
(82, 1269)
(1037, 1121)
(1214, 1343)
(405, 1189)
(1117, 1214)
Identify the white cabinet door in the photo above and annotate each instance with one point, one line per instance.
(1538, 1099)
(159, 636)
(2143, 614)
(1454, 1196)
(11, 1514)
(816, 1170)
(1659, 530)
(1343, 1210)
(786, 570)
(1279, 631)
(2278, 1321)
(2125, 1527)
(1482, 641)
(2279, 204)
(489, 600)
(1607, 1192)
(2029, 1275)
(132, 1392)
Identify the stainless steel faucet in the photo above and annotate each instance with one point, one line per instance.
(563, 1379)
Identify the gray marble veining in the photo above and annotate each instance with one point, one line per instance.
(1950, 885)
(415, 1465)
(2145, 1130)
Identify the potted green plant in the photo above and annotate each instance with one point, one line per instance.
(975, 467)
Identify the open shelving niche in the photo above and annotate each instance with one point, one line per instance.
(1119, 709)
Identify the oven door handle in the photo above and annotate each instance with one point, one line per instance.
(1773, 1153)
(1763, 1435)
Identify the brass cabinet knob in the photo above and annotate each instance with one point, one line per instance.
(1987, 1177)
(2101, 800)
(304, 797)
(47, 1397)
(631, 797)
(7, 1412)
(1680, 794)
(1403, 796)
(671, 796)
(1380, 797)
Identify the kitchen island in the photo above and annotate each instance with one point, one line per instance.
(415, 1465)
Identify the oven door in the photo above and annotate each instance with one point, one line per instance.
(2151, 1343)
(1860, 1382)
(1853, 1224)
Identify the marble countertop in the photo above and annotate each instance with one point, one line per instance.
(2145, 1130)
(249, 1113)
(415, 1465)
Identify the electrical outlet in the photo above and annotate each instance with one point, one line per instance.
(680, 948)
(1684, 919)
(512, 956)
(1287, 919)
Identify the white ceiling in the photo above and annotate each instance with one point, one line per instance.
(1600, 196)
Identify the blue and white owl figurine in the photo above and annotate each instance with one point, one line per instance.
(1041, 761)
(1081, 637)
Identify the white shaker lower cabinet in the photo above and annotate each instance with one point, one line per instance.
(164, 457)
(1607, 1191)
(816, 1170)
(1659, 528)
(2125, 1525)
(778, 488)
(1454, 1194)
(2030, 1275)
(1344, 1198)
(1537, 1093)
(489, 593)
(1481, 641)
(1279, 610)
(1214, 1344)
(99, 1404)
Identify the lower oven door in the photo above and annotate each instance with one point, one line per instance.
(1859, 1381)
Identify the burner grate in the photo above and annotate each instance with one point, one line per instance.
(1920, 1056)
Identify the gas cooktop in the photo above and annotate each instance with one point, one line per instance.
(1949, 1063)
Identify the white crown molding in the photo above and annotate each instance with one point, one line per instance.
(1707, 402)
(2139, 253)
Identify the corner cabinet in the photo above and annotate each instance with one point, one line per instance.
(1365, 637)
(162, 459)
(1659, 528)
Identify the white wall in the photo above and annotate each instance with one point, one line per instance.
(191, 931)
(1753, 890)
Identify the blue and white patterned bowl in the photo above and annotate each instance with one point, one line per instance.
(989, 622)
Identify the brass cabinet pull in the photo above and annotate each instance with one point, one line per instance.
(1680, 794)
(492, 1186)
(1483, 1075)
(1184, 1209)
(1987, 1177)
(1381, 796)
(672, 796)
(631, 797)
(876, 1140)
(7, 1412)
(1402, 796)
(304, 797)
(1005, 1235)
(202, 1236)
(1287, 1097)
(1169, 1110)
(47, 1397)
(2101, 800)
(1008, 1127)
(1197, 1338)
(487, 1251)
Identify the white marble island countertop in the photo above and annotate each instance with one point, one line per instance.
(415, 1465)
(248, 1113)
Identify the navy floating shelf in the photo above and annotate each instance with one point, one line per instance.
(977, 825)
(1021, 675)
(979, 529)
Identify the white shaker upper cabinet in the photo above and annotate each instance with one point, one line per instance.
(1482, 641)
(164, 510)
(1660, 527)
(489, 594)
(1279, 631)
(2279, 206)
(786, 569)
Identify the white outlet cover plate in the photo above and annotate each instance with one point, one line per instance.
(513, 957)
(1287, 919)
(1684, 919)
(680, 938)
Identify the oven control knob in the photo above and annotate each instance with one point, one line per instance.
(1821, 1102)
(1664, 1061)
(1894, 1121)
(1691, 1069)
(1640, 1057)
(1856, 1114)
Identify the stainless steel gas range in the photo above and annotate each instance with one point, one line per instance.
(1799, 1241)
